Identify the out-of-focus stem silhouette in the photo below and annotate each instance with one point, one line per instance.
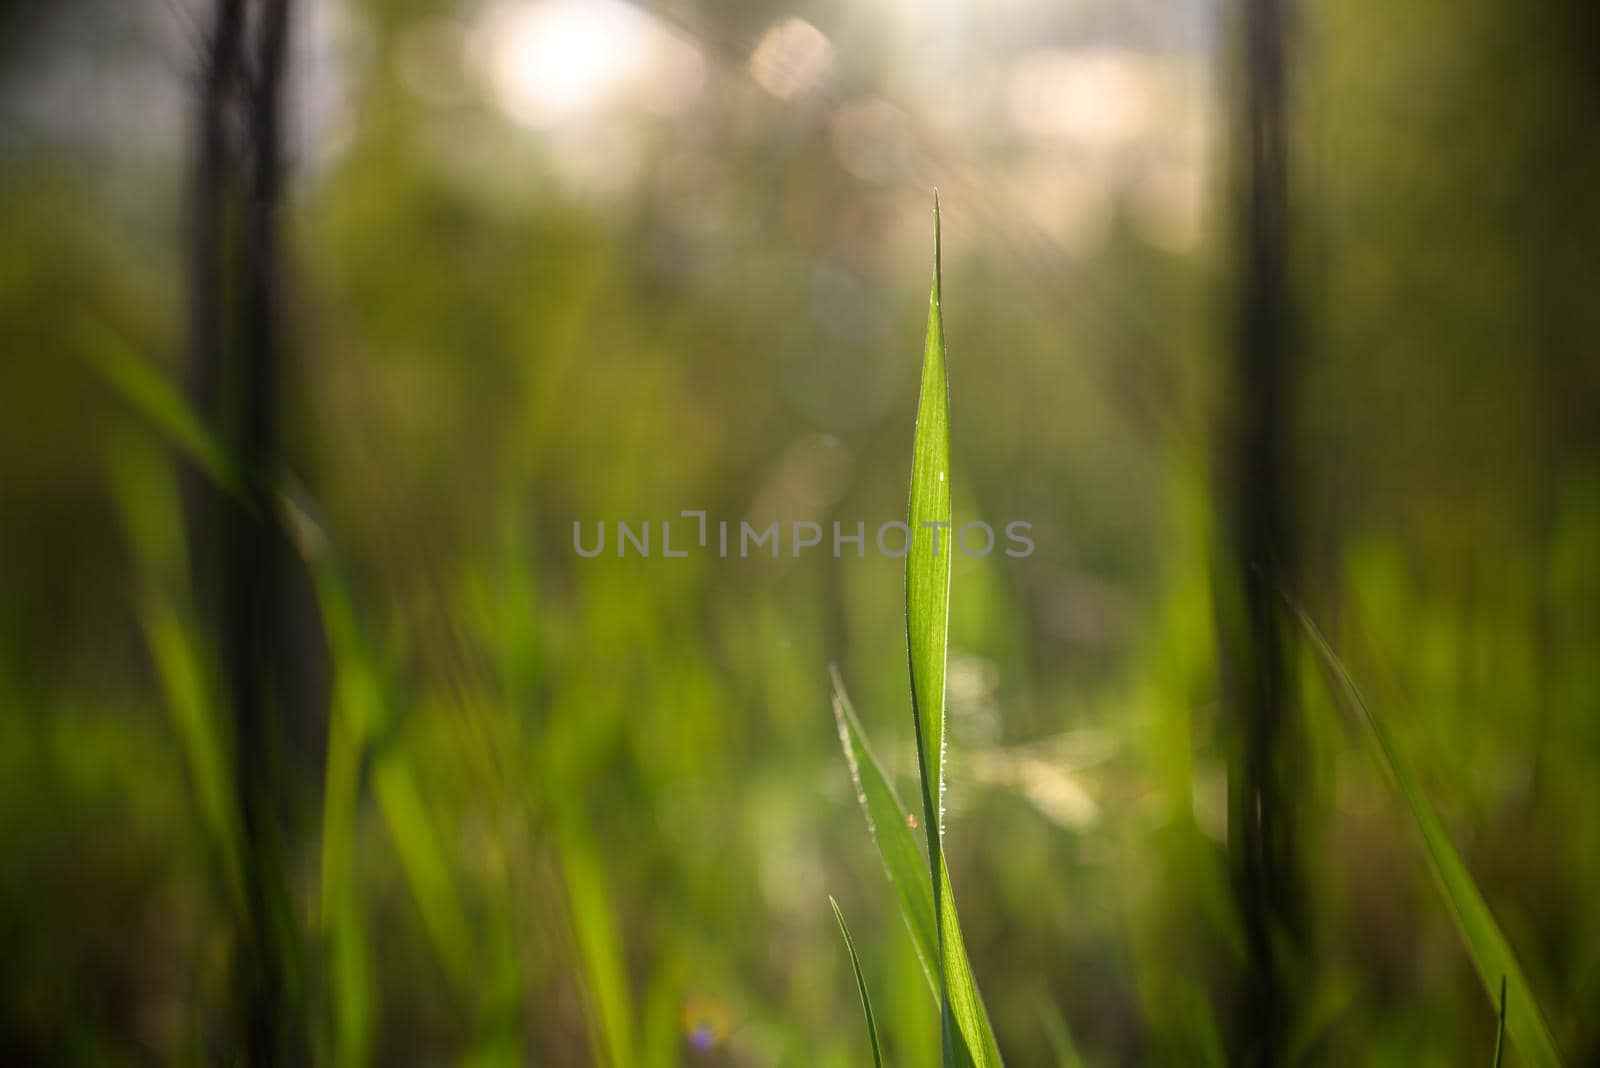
(235, 343)
(1261, 803)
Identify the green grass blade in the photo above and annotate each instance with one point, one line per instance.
(966, 1034)
(964, 1011)
(890, 824)
(928, 562)
(1486, 944)
(608, 1002)
(353, 715)
(149, 391)
(361, 711)
(861, 985)
(181, 671)
(426, 867)
(1500, 1032)
(357, 703)
(1058, 1034)
(146, 495)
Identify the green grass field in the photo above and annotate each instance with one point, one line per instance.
(335, 741)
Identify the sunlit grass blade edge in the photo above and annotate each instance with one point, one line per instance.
(890, 824)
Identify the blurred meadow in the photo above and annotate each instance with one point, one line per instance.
(320, 743)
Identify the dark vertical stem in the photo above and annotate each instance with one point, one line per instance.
(211, 195)
(236, 346)
(252, 601)
(1261, 783)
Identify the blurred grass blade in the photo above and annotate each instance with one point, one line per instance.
(357, 711)
(426, 867)
(149, 391)
(1486, 944)
(890, 824)
(351, 989)
(1500, 1032)
(353, 715)
(1058, 1034)
(185, 681)
(359, 716)
(965, 1031)
(609, 1004)
(146, 495)
(861, 984)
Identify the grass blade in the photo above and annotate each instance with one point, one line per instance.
(356, 713)
(1058, 1035)
(608, 1003)
(928, 562)
(890, 824)
(1486, 944)
(426, 867)
(360, 712)
(966, 1034)
(186, 684)
(146, 497)
(155, 397)
(1500, 1032)
(908, 870)
(861, 984)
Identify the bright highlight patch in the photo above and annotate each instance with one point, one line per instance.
(561, 60)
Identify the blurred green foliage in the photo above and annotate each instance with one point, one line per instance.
(553, 810)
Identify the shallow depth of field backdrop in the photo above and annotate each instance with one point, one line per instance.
(547, 261)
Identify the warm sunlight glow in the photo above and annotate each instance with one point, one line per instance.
(1102, 98)
(560, 60)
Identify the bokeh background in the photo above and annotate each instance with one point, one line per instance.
(548, 261)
